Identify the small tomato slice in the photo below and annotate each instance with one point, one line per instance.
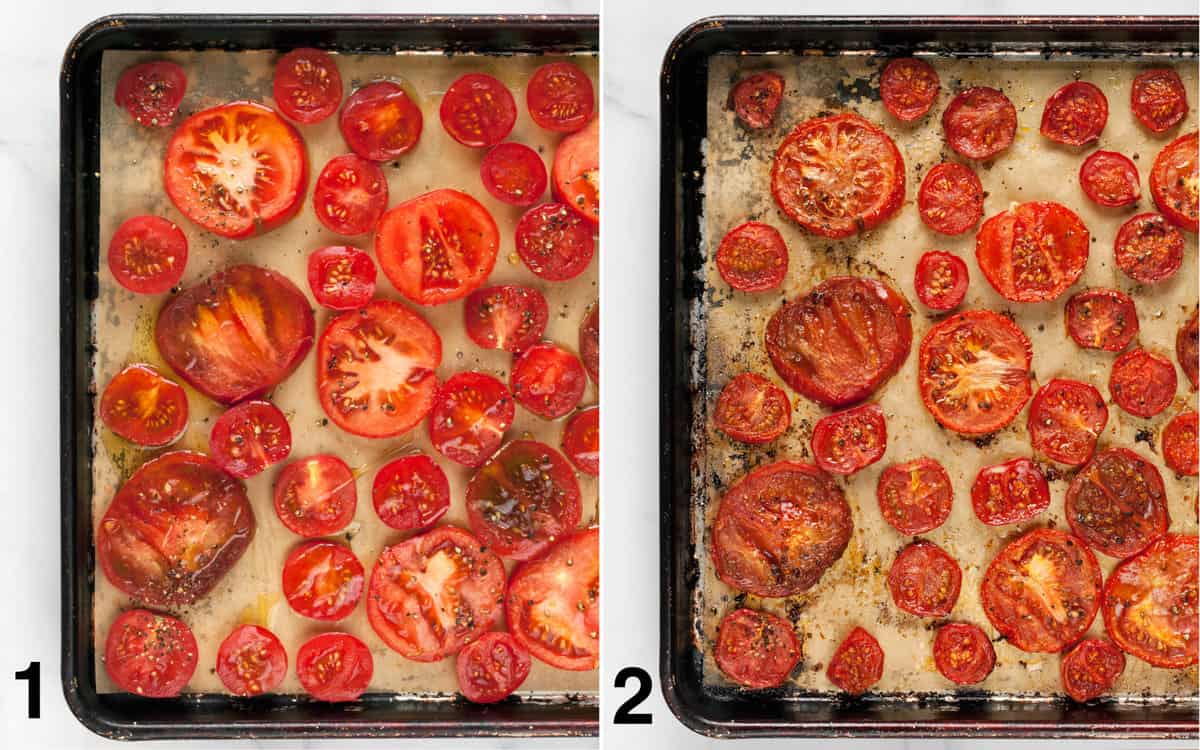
(589, 343)
(1142, 382)
(1148, 249)
(251, 661)
(307, 85)
(334, 667)
(1012, 492)
(249, 437)
(144, 407)
(963, 653)
(315, 496)
(916, 496)
(980, 123)
(322, 580)
(492, 668)
(147, 254)
(1065, 420)
(548, 380)
(350, 196)
(950, 198)
(1075, 114)
(341, 277)
(512, 318)
(1110, 179)
(575, 173)
(1101, 319)
(850, 440)
(752, 257)
(560, 97)
(941, 280)
(1091, 668)
(581, 440)
(857, 664)
(1187, 349)
(149, 654)
(1150, 603)
(908, 88)
(755, 99)
(752, 409)
(411, 492)
(1180, 449)
(471, 412)
(1175, 182)
(380, 122)
(1032, 252)
(151, 92)
(756, 649)
(513, 173)
(478, 111)
(924, 580)
(554, 242)
(1117, 503)
(1158, 99)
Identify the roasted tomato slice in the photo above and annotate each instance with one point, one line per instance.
(837, 344)
(908, 88)
(751, 409)
(1091, 668)
(756, 649)
(1187, 349)
(850, 440)
(334, 667)
(980, 123)
(512, 318)
(555, 243)
(1110, 179)
(752, 257)
(251, 661)
(1180, 449)
(147, 254)
(974, 371)
(941, 280)
(581, 440)
(492, 668)
(350, 196)
(144, 407)
(174, 529)
(514, 173)
(1042, 591)
(838, 176)
(150, 654)
(470, 415)
(1101, 319)
(315, 496)
(523, 499)
(1142, 383)
(963, 653)
(924, 580)
(322, 580)
(857, 664)
(1032, 252)
(1075, 114)
(237, 334)
(916, 496)
(376, 369)
(1150, 603)
(560, 97)
(1065, 420)
(589, 343)
(411, 492)
(380, 122)
(341, 277)
(1148, 249)
(152, 92)
(779, 528)
(548, 380)
(478, 111)
(307, 85)
(1158, 99)
(755, 99)
(1175, 182)
(553, 603)
(1012, 492)
(249, 437)
(437, 247)
(434, 593)
(575, 174)
(1117, 503)
(950, 198)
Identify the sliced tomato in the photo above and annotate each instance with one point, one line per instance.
(1142, 382)
(434, 593)
(1012, 492)
(575, 174)
(144, 407)
(779, 528)
(376, 369)
(411, 492)
(1158, 99)
(838, 176)
(322, 580)
(513, 173)
(560, 97)
(315, 496)
(150, 654)
(350, 196)
(751, 409)
(307, 85)
(1110, 179)
(380, 122)
(1117, 503)
(334, 667)
(548, 380)
(1101, 319)
(1150, 603)
(553, 603)
(963, 653)
(341, 277)
(850, 440)
(1075, 114)
(752, 257)
(950, 198)
(980, 123)
(249, 437)
(916, 496)
(941, 280)
(1148, 249)
(1187, 349)
(512, 318)
(756, 649)
(581, 440)
(1032, 252)
(1181, 444)
(908, 87)
(492, 668)
(857, 664)
(1091, 668)
(147, 254)
(174, 530)
(251, 661)
(555, 243)
(1175, 182)
(755, 99)
(478, 110)
(1065, 420)
(924, 580)
(151, 92)
(589, 343)
(470, 415)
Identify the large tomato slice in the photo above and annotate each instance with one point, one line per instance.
(756, 649)
(144, 407)
(1117, 503)
(1151, 603)
(149, 654)
(575, 174)
(1032, 252)
(1175, 182)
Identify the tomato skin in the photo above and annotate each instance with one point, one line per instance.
(980, 123)
(147, 254)
(1158, 99)
(478, 111)
(559, 97)
(151, 92)
(492, 668)
(149, 654)
(915, 497)
(554, 242)
(307, 85)
(1101, 319)
(1075, 114)
(380, 122)
(1117, 503)
(752, 257)
(334, 667)
(850, 440)
(548, 380)
(1091, 668)
(752, 409)
(513, 173)
(941, 281)
(857, 664)
(575, 173)
(924, 580)
(350, 195)
(908, 87)
(249, 437)
(143, 407)
(341, 277)
(1150, 603)
(1032, 252)
(581, 440)
(1187, 349)
(510, 317)
(1175, 182)
(1148, 249)
(322, 580)
(756, 649)
(1110, 179)
(1142, 382)
(315, 496)
(410, 493)
(251, 661)
(1012, 492)
(1065, 420)
(1179, 444)
(589, 342)
(755, 99)
(963, 653)
(950, 199)
(470, 415)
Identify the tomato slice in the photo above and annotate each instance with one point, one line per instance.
(377, 366)
(1012, 492)
(350, 196)
(575, 173)
(248, 438)
(1150, 603)
(548, 380)
(756, 649)
(322, 580)
(560, 97)
(1075, 114)
(752, 257)
(1117, 503)
(916, 496)
(963, 653)
(492, 668)
(1101, 319)
(941, 280)
(850, 440)
(857, 664)
(974, 372)
(512, 318)
(838, 176)
(779, 528)
(1110, 179)
(1187, 349)
(315, 496)
(553, 603)
(174, 529)
(1091, 668)
(434, 593)
(380, 122)
(341, 277)
(581, 440)
(1042, 590)
(840, 342)
(334, 667)
(150, 654)
(437, 247)
(755, 99)
(980, 123)
(908, 88)
(523, 499)
(251, 661)
(555, 243)
(470, 415)
(478, 110)
(514, 173)
(1180, 446)
(1148, 249)
(144, 407)
(1065, 420)
(1175, 182)
(147, 254)
(1142, 383)
(1032, 252)
(237, 334)
(589, 342)
(411, 492)
(752, 409)
(307, 85)
(924, 580)
(151, 92)
(1158, 99)
(950, 198)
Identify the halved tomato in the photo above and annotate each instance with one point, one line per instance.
(559, 97)
(513, 173)
(315, 496)
(756, 649)
(980, 123)
(478, 111)
(1110, 179)
(150, 654)
(963, 653)
(492, 668)
(857, 664)
(334, 667)
(1101, 319)
(1158, 99)
(1117, 503)
(471, 412)
(1151, 604)
(1175, 182)
(575, 174)
(554, 242)
(322, 580)
(589, 343)
(144, 407)
(1012, 492)
(251, 661)
(307, 85)
(1075, 114)
(152, 92)
(1142, 382)
(1091, 668)
(248, 438)
(147, 254)
(755, 99)
(752, 257)
(411, 492)
(916, 496)
(581, 440)
(752, 409)
(548, 380)
(1187, 349)
(924, 580)
(341, 277)
(380, 122)
(1148, 249)
(850, 440)
(950, 199)
(1180, 447)
(941, 280)
(1032, 252)
(512, 318)
(908, 88)
(1065, 420)
(350, 196)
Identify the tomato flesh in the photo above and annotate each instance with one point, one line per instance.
(1180, 447)
(315, 496)
(1032, 252)
(322, 580)
(1065, 420)
(850, 440)
(548, 380)
(589, 342)
(1117, 503)
(144, 407)
(1075, 114)
(151, 92)
(554, 242)
(916, 496)
(1150, 603)
(1158, 99)
(514, 173)
(1091, 668)
(150, 654)
(575, 173)
(147, 254)
(512, 318)
(857, 664)
(581, 440)
(307, 85)
(908, 88)
(350, 196)
(341, 277)
(980, 123)
(380, 122)
(1101, 319)
(251, 661)
(1187, 349)
(470, 415)
(334, 667)
(924, 580)
(1110, 179)
(752, 257)
(755, 99)
(1142, 382)
(492, 668)
(756, 649)
(1148, 249)
(1175, 182)
(248, 438)
(950, 199)
(411, 492)
(941, 281)
(751, 409)
(559, 97)
(478, 110)
(963, 653)
(1012, 492)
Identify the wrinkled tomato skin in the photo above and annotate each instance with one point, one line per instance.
(147, 254)
(941, 281)
(492, 668)
(554, 242)
(1102, 319)
(307, 85)
(848, 441)
(908, 87)
(581, 440)
(560, 97)
(471, 413)
(915, 497)
(963, 653)
(151, 92)
(924, 580)
(149, 654)
(1110, 179)
(380, 122)
(514, 174)
(315, 496)
(950, 199)
(143, 407)
(341, 277)
(752, 257)
(249, 437)
(322, 580)
(751, 409)
(334, 667)
(857, 664)
(1150, 603)
(1075, 114)
(1148, 249)
(512, 318)
(980, 123)
(1117, 503)
(1011, 492)
(1187, 349)
(589, 342)
(1158, 99)
(410, 493)
(478, 111)
(1065, 420)
(548, 380)
(350, 195)
(1179, 444)
(1142, 383)
(251, 661)
(1033, 252)
(1090, 669)
(756, 649)
(755, 99)
(575, 173)
(1175, 182)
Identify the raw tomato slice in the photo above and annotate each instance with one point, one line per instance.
(1075, 114)
(924, 580)
(752, 257)
(941, 280)
(1175, 182)
(756, 649)
(512, 318)
(1101, 319)
(1187, 349)
(908, 88)
(850, 440)
(514, 173)
(251, 661)
(916, 496)
(144, 407)
(307, 85)
(249, 437)
(334, 667)
(963, 653)
(1117, 503)
(581, 440)
(559, 97)
(1110, 179)
(1091, 668)
(980, 123)
(1150, 603)
(1065, 420)
(478, 111)
(1032, 252)
(589, 343)
(147, 254)
(548, 380)
(857, 664)
(950, 198)
(1158, 99)
(471, 412)
(751, 409)
(150, 654)
(341, 277)
(492, 668)
(1142, 383)
(575, 174)
(755, 99)
(1180, 449)
(410, 493)
(380, 122)
(1148, 249)
(1012, 492)
(554, 242)
(151, 92)
(322, 580)
(350, 196)
(315, 496)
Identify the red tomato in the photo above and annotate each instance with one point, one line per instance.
(555, 243)
(756, 649)
(248, 438)
(838, 176)
(751, 409)
(581, 440)
(1090, 668)
(380, 122)
(950, 198)
(941, 280)
(1065, 420)
(553, 603)
(434, 593)
(1075, 114)
(755, 99)
(251, 661)
(1148, 249)
(1110, 179)
(915, 497)
(513, 173)
(1180, 449)
(857, 664)
(523, 499)
(924, 580)
(437, 247)
(1012, 492)
(315, 496)
(548, 380)
(974, 371)
(152, 92)
(307, 86)
(908, 88)
(839, 343)
(963, 653)
(492, 668)
(377, 366)
(1175, 182)
(174, 529)
(471, 412)
(1142, 383)
(589, 342)
(1101, 319)
(1150, 603)
(1117, 503)
(850, 440)
(779, 528)
(1158, 99)
(512, 318)
(478, 111)
(149, 654)
(322, 580)
(559, 97)
(237, 334)
(341, 277)
(575, 174)
(1042, 591)
(1032, 252)
(411, 492)
(147, 254)
(1187, 349)
(350, 196)
(334, 667)
(144, 407)
(752, 257)
(980, 123)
